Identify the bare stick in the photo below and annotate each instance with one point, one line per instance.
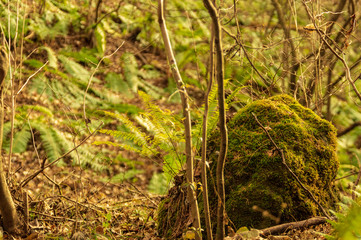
(30, 77)
(187, 120)
(340, 57)
(7, 207)
(37, 172)
(357, 179)
(287, 33)
(348, 129)
(86, 120)
(292, 225)
(26, 211)
(220, 234)
(204, 140)
(280, 151)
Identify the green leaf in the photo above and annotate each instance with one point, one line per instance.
(116, 83)
(33, 63)
(100, 39)
(130, 67)
(127, 175)
(76, 70)
(21, 140)
(53, 61)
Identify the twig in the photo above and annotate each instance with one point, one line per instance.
(357, 179)
(246, 55)
(348, 129)
(30, 77)
(86, 120)
(54, 217)
(26, 211)
(287, 33)
(341, 58)
(289, 169)
(204, 139)
(34, 144)
(221, 210)
(36, 173)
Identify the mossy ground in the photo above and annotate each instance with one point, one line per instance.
(255, 177)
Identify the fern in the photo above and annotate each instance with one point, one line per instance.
(130, 69)
(76, 70)
(50, 141)
(36, 108)
(348, 223)
(53, 61)
(21, 140)
(162, 132)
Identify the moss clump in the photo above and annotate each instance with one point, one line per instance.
(255, 177)
(254, 174)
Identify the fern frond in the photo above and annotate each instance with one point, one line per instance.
(137, 134)
(130, 69)
(50, 141)
(37, 108)
(53, 61)
(21, 140)
(123, 146)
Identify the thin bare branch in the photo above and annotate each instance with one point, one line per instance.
(221, 211)
(187, 120)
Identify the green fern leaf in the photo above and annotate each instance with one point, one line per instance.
(50, 142)
(130, 68)
(100, 39)
(21, 140)
(76, 70)
(53, 61)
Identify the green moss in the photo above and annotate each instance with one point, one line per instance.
(254, 173)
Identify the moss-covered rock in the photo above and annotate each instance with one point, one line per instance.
(257, 182)
(254, 174)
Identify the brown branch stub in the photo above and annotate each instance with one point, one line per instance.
(280, 151)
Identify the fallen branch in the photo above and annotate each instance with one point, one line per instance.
(282, 228)
(278, 229)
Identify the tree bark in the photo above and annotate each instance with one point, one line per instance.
(7, 207)
(187, 121)
(204, 141)
(220, 234)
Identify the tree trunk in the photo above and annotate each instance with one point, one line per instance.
(7, 207)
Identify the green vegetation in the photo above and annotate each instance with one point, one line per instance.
(100, 66)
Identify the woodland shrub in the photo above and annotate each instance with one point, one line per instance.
(260, 191)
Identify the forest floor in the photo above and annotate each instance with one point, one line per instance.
(66, 201)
